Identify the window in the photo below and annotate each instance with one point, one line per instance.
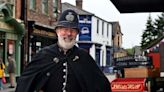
(97, 26)
(102, 28)
(118, 41)
(45, 6)
(97, 57)
(107, 30)
(10, 46)
(55, 8)
(32, 4)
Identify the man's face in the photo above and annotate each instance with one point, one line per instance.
(66, 37)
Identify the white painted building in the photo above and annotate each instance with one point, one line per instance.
(101, 33)
(95, 35)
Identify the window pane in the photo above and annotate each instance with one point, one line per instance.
(32, 4)
(45, 6)
(55, 9)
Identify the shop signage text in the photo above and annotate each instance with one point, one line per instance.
(127, 86)
(44, 33)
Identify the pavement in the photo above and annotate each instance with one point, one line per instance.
(6, 89)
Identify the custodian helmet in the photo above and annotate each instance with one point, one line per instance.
(68, 18)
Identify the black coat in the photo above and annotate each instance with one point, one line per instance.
(36, 74)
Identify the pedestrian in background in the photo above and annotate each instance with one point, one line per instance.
(63, 67)
(11, 68)
(2, 73)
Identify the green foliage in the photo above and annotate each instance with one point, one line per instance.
(147, 35)
(159, 23)
(153, 32)
(130, 51)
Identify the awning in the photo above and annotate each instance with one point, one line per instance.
(4, 8)
(128, 85)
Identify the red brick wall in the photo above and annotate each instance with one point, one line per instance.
(39, 17)
(18, 9)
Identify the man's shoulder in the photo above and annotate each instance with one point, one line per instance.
(83, 52)
(49, 49)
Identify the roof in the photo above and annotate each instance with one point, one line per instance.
(115, 26)
(77, 10)
(153, 43)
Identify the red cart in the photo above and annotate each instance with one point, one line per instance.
(129, 85)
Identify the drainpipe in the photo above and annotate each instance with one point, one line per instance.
(25, 41)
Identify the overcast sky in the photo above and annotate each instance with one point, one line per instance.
(132, 24)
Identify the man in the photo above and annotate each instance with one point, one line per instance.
(11, 70)
(63, 67)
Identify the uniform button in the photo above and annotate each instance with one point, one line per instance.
(64, 70)
(64, 76)
(48, 74)
(64, 64)
(64, 84)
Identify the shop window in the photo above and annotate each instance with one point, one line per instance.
(38, 46)
(98, 56)
(11, 46)
(108, 57)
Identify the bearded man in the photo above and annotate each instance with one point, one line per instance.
(63, 67)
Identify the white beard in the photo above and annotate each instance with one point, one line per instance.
(66, 42)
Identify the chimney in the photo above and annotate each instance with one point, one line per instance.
(79, 4)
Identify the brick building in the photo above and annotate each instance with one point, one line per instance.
(26, 27)
(118, 51)
(40, 17)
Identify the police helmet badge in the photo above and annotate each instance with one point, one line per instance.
(69, 17)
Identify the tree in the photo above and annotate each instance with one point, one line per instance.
(149, 33)
(153, 33)
(159, 25)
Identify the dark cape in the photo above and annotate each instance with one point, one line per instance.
(37, 72)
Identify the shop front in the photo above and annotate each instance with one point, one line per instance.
(11, 33)
(41, 37)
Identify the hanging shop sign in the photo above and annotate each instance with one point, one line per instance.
(85, 28)
(44, 33)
